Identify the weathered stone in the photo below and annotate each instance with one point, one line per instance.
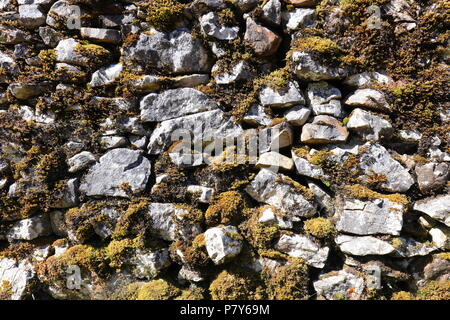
(101, 35)
(72, 52)
(188, 274)
(50, 36)
(278, 191)
(190, 80)
(174, 103)
(432, 176)
(441, 237)
(171, 223)
(58, 223)
(325, 201)
(323, 98)
(80, 161)
(204, 194)
(240, 71)
(16, 274)
(176, 52)
(275, 161)
(368, 98)
(245, 5)
(148, 264)
(302, 3)
(298, 115)
(302, 247)
(257, 116)
(63, 14)
(408, 248)
(210, 26)
(369, 126)
(306, 168)
(363, 246)
(106, 75)
(25, 91)
(30, 228)
(375, 159)
(289, 96)
(437, 208)
(343, 285)
(262, 40)
(116, 171)
(112, 142)
(222, 243)
(369, 217)
(309, 69)
(11, 35)
(31, 16)
(299, 19)
(200, 126)
(271, 12)
(276, 137)
(68, 197)
(437, 269)
(324, 129)
(366, 78)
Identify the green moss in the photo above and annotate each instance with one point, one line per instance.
(289, 282)
(163, 14)
(320, 228)
(361, 192)
(434, 290)
(191, 294)
(133, 220)
(228, 208)
(402, 295)
(97, 55)
(157, 290)
(118, 251)
(230, 285)
(304, 191)
(6, 291)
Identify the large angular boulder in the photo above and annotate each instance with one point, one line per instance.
(117, 172)
(176, 52)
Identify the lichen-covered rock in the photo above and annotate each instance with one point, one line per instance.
(324, 99)
(72, 51)
(118, 172)
(309, 69)
(101, 35)
(223, 243)
(174, 103)
(240, 71)
(211, 27)
(176, 52)
(341, 286)
(106, 75)
(29, 229)
(15, 278)
(80, 161)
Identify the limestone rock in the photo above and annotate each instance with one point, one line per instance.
(297, 116)
(222, 243)
(323, 98)
(176, 52)
(302, 247)
(324, 129)
(116, 171)
(278, 191)
(210, 26)
(106, 75)
(363, 246)
(437, 208)
(174, 103)
(289, 96)
(377, 216)
(368, 125)
(30, 228)
(16, 274)
(432, 176)
(306, 168)
(366, 78)
(101, 35)
(68, 194)
(31, 16)
(80, 161)
(257, 116)
(275, 161)
(309, 69)
(204, 125)
(343, 285)
(271, 12)
(240, 71)
(368, 98)
(299, 18)
(71, 51)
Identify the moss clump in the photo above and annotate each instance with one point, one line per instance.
(361, 192)
(6, 291)
(402, 295)
(157, 290)
(326, 50)
(96, 55)
(444, 255)
(434, 290)
(163, 14)
(228, 208)
(320, 157)
(320, 228)
(260, 235)
(133, 221)
(191, 294)
(290, 282)
(231, 285)
(118, 250)
(304, 191)
(194, 253)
